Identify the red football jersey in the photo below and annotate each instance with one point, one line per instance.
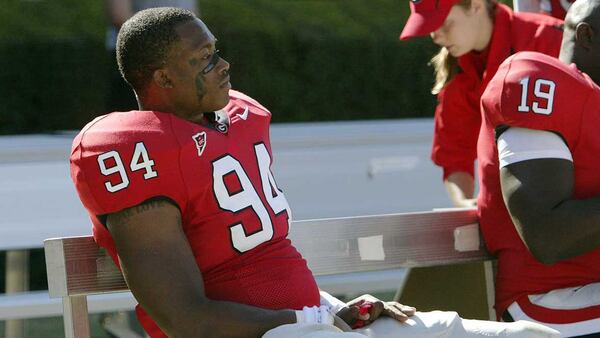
(536, 91)
(234, 215)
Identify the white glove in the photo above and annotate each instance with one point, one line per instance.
(315, 314)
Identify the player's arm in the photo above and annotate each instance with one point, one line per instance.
(364, 310)
(457, 122)
(461, 187)
(160, 269)
(539, 196)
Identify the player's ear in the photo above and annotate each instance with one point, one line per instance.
(161, 78)
(584, 35)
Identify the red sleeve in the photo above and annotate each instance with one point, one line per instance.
(536, 91)
(124, 159)
(457, 122)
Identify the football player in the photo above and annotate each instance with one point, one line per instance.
(547, 118)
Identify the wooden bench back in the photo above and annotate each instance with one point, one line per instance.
(77, 267)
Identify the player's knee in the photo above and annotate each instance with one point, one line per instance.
(526, 329)
(438, 320)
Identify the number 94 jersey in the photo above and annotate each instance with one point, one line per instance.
(536, 91)
(233, 213)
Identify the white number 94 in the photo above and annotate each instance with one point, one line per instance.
(140, 160)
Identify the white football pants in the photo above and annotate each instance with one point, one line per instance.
(435, 324)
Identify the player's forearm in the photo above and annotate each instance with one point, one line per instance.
(228, 319)
(182, 310)
(570, 229)
(460, 187)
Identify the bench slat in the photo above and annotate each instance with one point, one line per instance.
(77, 266)
(367, 243)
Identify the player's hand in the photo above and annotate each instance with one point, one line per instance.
(366, 309)
(341, 324)
(467, 203)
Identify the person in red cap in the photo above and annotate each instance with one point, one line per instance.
(475, 37)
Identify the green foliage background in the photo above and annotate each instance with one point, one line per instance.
(306, 60)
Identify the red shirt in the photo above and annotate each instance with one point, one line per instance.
(557, 98)
(235, 217)
(457, 116)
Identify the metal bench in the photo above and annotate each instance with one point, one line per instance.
(335, 248)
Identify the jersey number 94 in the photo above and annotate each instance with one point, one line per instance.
(111, 163)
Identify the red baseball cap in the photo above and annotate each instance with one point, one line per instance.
(426, 16)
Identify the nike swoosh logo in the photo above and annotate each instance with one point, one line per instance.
(244, 115)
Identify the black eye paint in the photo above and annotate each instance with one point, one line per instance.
(212, 63)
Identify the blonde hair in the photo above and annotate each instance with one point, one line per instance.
(444, 64)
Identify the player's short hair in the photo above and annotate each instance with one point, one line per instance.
(583, 11)
(144, 41)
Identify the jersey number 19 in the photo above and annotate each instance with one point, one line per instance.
(543, 93)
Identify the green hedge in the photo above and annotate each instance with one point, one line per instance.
(305, 60)
(325, 60)
(51, 84)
